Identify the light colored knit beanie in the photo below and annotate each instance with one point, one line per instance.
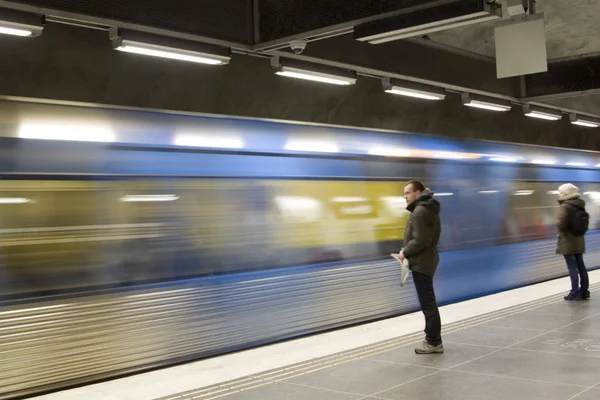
(569, 189)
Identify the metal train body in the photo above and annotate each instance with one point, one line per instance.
(124, 256)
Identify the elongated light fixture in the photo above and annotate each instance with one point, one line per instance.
(535, 112)
(171, 48)
(411, 89)
(585, 121)
(485, 103)
(17, 23)
(312, 72)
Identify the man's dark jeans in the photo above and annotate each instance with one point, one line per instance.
(577, 270)
(433, 322)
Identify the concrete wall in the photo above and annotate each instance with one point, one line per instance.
(77, 64)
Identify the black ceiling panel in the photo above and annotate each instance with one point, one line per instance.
(282, 18)
(578, 76)
(221, 19)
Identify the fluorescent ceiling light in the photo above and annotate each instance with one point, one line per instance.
(586, 122)
(443, 194)
(157, 51)
(542, 161)
(389, 151)
(207, 141)
(15, 32)
(79, 133)
(486, 106)
(171, 48)
(538, 113)
(312, 146)
(475, 101)
(17, 23)
(488, 191)
(316, 76)
(576, 164)
(14, 200)
(421, 22)
(148, 197)
(554, 192)
(411, 89)
(414, 93)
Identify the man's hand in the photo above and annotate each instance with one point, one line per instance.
(401, 256)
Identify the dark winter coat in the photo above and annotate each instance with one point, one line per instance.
(567, 242)
(422, 234)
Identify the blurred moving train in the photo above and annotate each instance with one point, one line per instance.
(132, 240)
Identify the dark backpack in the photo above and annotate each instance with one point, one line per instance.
(580, 221)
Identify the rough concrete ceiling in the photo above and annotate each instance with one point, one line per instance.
(448, 60)
(571, 30)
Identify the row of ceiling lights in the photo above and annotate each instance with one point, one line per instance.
(30, 25)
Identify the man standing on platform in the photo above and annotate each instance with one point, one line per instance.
(420, 249)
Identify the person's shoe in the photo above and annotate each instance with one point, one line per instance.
(428, 348)
(571, 297)
(585, 295)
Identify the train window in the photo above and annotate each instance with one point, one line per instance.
(591, 195)
(82, 233)
(394, 206)
(298, 209)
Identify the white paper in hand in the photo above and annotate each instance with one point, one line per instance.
(405, 268)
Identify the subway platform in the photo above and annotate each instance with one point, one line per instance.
(526, 343)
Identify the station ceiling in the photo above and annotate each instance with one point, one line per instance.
(459, 58)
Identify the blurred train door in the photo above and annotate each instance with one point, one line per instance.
(257, 225)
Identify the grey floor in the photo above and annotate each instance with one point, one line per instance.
(550, 353)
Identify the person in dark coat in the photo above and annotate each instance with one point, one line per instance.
(421, 237)
(570, 246)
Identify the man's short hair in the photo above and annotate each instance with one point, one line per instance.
(417, 185)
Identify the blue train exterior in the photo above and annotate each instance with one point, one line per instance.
(261, 231)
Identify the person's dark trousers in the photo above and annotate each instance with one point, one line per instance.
(577, 271)
(433, 322)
